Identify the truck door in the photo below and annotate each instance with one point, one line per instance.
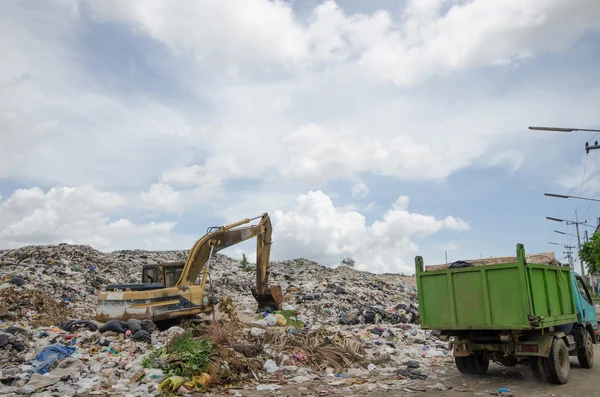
(588, 310)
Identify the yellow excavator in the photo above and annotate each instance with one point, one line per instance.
(170, 290)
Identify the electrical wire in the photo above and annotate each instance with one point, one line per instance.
(593, 197)
(582, 181)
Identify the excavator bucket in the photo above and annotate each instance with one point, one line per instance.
(269, 298)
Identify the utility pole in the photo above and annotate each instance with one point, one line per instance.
(593, 147)
(569, 255)
(576, 223)
(587, 238)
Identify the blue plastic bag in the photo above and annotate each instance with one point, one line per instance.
(44, 359)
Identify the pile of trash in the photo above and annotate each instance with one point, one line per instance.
(337, 326)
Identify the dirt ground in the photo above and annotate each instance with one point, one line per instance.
(520, 381)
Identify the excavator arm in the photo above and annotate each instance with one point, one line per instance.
(226, 236)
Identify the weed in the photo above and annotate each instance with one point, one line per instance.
(183, 356)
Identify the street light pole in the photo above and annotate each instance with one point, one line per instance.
(566, 197)
(566, 234)
(558, 129)
(588, 147)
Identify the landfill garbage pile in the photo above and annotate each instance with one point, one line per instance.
(71, 274)
(338, 327)
(341, 295)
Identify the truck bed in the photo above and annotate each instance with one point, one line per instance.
(506, 296)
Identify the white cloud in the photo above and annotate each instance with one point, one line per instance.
(318, 229)
(256, 93)
(78, 215)
(360, 190)
(261, 119)
(162, 198)
(429, 40)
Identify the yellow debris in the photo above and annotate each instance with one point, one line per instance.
(281, 321)
(171, 384)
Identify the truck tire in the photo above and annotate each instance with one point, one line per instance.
(585, 354)
(475, 364)
(463, 365)
(538, 369)
(558, 364)
(481, 363)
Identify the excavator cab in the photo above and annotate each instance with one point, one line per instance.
(166, 273)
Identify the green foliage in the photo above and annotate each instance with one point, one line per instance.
(244, 262)
(350, 262)
(590, 253)
(245, 265)
(184, 356)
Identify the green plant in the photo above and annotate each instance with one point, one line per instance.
(590, 254)
(245, 265)
(244, 262)
(184, 355)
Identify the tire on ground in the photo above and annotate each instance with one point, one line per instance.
(538, 369)
(558, 365)
(463, 365)
(585, 354)
(481, 363)
(475, 364)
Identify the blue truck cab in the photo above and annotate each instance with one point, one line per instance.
(586, 310)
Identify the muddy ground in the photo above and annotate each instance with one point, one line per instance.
(520, 381)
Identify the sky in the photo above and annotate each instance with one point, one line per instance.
(376, 130)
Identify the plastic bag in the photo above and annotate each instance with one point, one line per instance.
(281, 321)
(270, 366)
(114, 326)
(154, 375)
(171, 384)
(134, 325)
(197, 382)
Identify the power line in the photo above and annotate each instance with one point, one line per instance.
(582, 180)
(593, 197)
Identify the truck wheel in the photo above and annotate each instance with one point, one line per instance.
(557, 363)
(481, 363)
(538, 369)
(464, 365)
(585, 354)
(475, 364)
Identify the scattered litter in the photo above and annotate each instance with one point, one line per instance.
(267, 387)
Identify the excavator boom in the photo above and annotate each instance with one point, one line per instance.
(225, 237)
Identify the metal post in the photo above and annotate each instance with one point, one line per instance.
(579, 249)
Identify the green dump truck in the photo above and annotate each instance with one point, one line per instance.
(524, 310)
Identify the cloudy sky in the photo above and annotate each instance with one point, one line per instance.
(377, 130)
